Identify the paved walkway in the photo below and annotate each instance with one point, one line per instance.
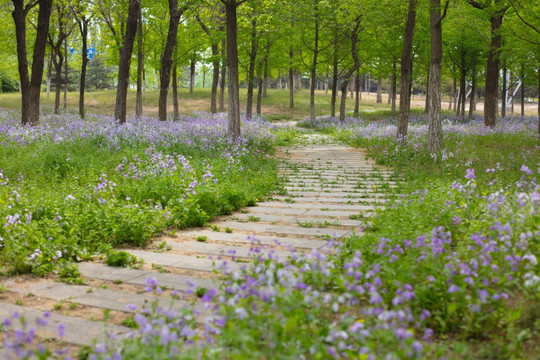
(328, 188)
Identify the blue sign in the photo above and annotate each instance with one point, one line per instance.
(71, 51)
(90, 52)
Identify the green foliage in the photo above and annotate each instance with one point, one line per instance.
(120, 258)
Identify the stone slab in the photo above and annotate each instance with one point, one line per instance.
(138, 277)
(264, 239)
(188, 262)
(92, 330)
(285, 230)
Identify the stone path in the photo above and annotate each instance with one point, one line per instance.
(328, 188)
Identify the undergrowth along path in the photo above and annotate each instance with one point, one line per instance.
(328, 188)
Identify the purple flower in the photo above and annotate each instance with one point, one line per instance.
(470, 174)
(526, 170)
(452, 289)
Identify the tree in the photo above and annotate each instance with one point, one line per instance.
(434, 109)
(496, 10)
(214, 36)
(125, 61)
(61, 33)
(166, 59)
(356, 65)
(232, 63)
(406, 65)
(31, 87)
(83, 18)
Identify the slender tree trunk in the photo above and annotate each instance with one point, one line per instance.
(266, 78)
(473, 92)
(327, 84)
(462, 94)
(83, 28)
(215, 66)
(291, 79)
(426, 109)
(357, 90)
(66, 77)
(389, 91)
(379, 91)
(406, 64)
(522, 94)
(140, 67)
(191, 76)
(504, 90)
(260, 86)
(434, 111)
(232, 64)
(176, 112)
(511, 90)
(125, 61)
(352, 70)
(351, 87)
(251, 69)
(394, 88)
(58, 64)
(314, 67)
(223, 75)
(279, 84)
(166, 59)
(451, 96)
(49, 73)
(334, 81)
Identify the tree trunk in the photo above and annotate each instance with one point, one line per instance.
(31, 87)
(504, 90)
(176, 113)
(279, 84)
(191, 76)
(260, 86)
(266, 79)
(492, 72)
(215, 66)
(223, 75)
(462, 94)
(342, 110)
(434, 111)
(58, 61)
(314, 67)
(406, 63)
(394, 88)
(357, 91)
(83, 28)
(352, 70)
(473, 92)
(125, 61)
(49, 73)
(522, 94)
(140, 67)
(251, 69)
(379, 91)
(166, 59)
(291, 79)
(426, 109)
(232, 64)
(66, 78)
(334, 81)
(351, 87)
(326, 84)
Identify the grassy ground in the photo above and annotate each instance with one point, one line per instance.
(275, 105)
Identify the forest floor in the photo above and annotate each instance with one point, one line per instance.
(274, 107)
